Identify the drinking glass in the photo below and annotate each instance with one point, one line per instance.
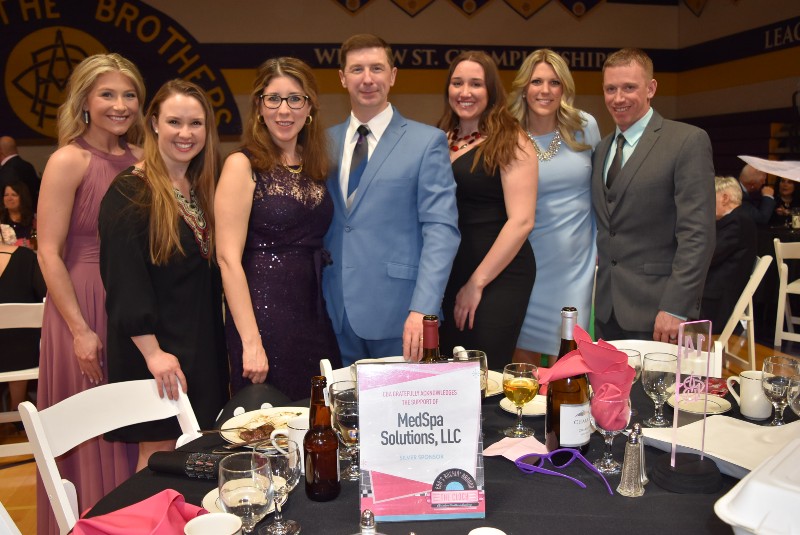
(344, 418)
(658, 381)
(609, 417)
(479, 357)
(284, 461)
(775, 382)
(635, 362)
(794, 394)
(520, 385)
(245, 487)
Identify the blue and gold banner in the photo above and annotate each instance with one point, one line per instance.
(526, 8)
(412, 7)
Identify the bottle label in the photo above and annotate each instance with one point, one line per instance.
(575, 426)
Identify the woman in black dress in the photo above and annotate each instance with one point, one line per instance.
(164, 293)
(496, 172)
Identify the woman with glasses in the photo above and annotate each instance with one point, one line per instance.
(272, 209)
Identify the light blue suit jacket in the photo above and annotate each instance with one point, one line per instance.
(393, 248)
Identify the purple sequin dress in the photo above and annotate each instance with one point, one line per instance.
(283, 260)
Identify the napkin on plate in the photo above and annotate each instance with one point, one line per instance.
(609, 374)
(514, 448)
(166, 513)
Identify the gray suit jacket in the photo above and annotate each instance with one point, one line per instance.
(655, 226)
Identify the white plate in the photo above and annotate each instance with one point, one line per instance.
(535, 407)
(277, 416)
(211, 502)
(716, 405)
(495, 384)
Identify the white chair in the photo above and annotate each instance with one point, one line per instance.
(783, 252)
(18, 316)
(7, 525)
(331, 375)
(743, 311)
(88, 414)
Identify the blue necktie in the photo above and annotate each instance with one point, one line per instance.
(359, 161)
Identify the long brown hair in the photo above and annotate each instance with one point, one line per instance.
(25, 204)
(311, 142)
(159, 198)
(501, 129)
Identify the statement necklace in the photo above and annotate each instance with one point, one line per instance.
(552, 148)
(455, 141)
(294, 169)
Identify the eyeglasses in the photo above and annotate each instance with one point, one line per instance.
(532, 463)
(273, 102)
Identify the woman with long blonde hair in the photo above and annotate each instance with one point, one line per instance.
(164, 293)
(98, 124)
(496, 173)
(541, 99)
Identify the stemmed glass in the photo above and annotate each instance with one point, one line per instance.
(245, 487)
(284, 460)
(610, 417)
(520, 385)
(344, 416)
(775, 382)
(658, 380)
(635, 362)
(794, 394)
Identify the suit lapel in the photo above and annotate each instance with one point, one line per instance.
(337, 134)
(385, 146)
(601, 152)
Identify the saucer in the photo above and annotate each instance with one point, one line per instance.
(212, 504)
(535, 407)
(716, 405)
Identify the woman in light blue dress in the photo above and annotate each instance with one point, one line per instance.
(563, 237)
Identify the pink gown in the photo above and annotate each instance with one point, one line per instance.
(96, 466)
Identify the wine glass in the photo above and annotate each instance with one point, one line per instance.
(520, 385)
(245, 487)
(658, 380)
(284, 461)
(344, 418)
(775, 382)
(609, 417)
(794, 393)
(635, 362)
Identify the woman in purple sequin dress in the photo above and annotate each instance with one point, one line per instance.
(272, 209)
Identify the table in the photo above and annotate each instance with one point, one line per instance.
(517, 503)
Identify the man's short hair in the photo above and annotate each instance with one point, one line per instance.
(751, 175)
(729, 185)
(361, 41)
(626, 56)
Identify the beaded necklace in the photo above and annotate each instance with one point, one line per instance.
(455, 141)
(552, 148)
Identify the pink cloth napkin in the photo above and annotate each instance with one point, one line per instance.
(514, 448)
(609, 373)
(166, 513)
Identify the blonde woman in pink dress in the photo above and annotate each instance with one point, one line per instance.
(101, 113)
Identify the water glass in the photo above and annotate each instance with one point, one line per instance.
(609, 417)
(658, 381)
(344, 419)
(775, 379)
(635, 362)
(284, 461)
(245, 487)
(794, 394)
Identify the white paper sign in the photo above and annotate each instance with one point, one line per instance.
(419, 432)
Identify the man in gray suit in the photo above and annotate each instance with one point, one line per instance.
(394, 232)
(653, 195)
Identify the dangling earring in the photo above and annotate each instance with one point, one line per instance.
(260, 119)
(86, 116)
(309, 119)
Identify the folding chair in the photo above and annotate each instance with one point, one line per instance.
(783, 252)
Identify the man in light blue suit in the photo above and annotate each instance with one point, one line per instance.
(395, 226)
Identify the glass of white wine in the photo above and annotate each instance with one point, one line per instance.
(775, 382)
(245, 487)
(520, 385)
(658, 380)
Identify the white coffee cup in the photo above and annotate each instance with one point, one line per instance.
(295, 430)
(214, 524)
(753, 404)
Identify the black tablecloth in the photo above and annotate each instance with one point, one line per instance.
(517, 503)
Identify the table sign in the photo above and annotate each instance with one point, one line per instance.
(419, 434)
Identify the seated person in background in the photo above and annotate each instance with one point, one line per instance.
(17, 211)
(758, 200)
(734, 255)
(20, 282)
(788, 198)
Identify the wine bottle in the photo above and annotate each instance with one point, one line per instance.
(567, 419)
(321, 446)
(430, 339)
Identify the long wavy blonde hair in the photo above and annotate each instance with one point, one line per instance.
(159, 198)
(70, 114)
(568, 117)
(501, 130)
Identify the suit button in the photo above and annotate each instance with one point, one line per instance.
(347, 228)
(613, 263)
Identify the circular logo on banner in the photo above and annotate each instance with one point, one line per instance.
(37, 72)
